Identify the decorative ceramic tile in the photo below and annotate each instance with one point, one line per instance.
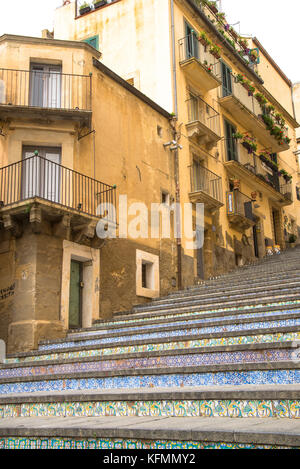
(69, 443)
(176, 333)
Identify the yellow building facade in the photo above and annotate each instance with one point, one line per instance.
(75, 137)
(234, 116)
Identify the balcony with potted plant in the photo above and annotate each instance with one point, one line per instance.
(198, 63)
(251, 109)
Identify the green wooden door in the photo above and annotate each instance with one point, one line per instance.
(75, 295)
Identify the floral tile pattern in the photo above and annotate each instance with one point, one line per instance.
(68, 443)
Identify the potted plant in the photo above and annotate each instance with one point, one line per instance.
(250, 144)
(253, 55)
(243, 42)
(292, 240)
(233, 33)
(215, 51)
(204, 39)
(84, 8)
(249, 87)
(99, 3)
(213, 6)
(237, 136)
(261, 99)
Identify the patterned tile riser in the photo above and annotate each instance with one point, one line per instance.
(233, 378)
(155, 362)
(184, 323)
(191, 314)
(182, 332)
(253, 339)
(107, 444)
(187, 408)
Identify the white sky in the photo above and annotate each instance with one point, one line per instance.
(275, 23)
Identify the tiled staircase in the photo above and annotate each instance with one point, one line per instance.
(215, 366)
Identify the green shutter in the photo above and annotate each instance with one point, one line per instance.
(226, 80)
(93, 41)
(230, 142)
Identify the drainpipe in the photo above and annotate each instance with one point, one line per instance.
(174, 60)
(176, 161)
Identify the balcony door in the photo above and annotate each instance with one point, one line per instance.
(45, 86)
(41, 173)
(192, 45)
(226, 80)
(231, 145)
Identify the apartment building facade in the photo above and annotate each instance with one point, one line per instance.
(234, 114)
(68, 123)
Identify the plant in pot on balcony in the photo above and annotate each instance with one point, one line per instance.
(243, 42)
(204, 39)
(84, 8)
(215, 51)
(253, 55)
(237, 136)
(99, 3)
(213, 6)
(249, 87)
(261, 99)
(208, 67)
(250, 144)
(233, 33)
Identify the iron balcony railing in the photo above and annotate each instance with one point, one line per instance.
(234, 88)
(37, 177)
(44, 89)
(202, 179)
(240, 204)
(190, 47)
(199, 110)
(236, 151)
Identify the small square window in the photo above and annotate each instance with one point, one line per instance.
(147, 274)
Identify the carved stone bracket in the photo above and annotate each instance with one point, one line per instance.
(13, 226)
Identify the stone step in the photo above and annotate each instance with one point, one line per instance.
(159, 319)
(246, 401)
(149, 433)
(240, 292)
(245, 353)
(287, 300)
(255, 272)
(239, 374)
(229, 289)
(242, 299)
(161, 324)
(199, 328)
(220, 339)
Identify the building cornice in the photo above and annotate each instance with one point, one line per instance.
(50, 42)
